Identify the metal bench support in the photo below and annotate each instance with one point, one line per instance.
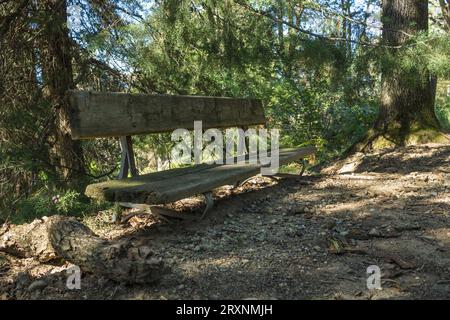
(303, 164)
(209, 200)
(127, 163)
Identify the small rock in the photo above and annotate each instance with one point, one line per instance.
(261, 237)
(37, 285)
(290, 232)
(374, 232)
(348, 168)
(391, 170)
(22, 280)
(344, 233)
(298, 210)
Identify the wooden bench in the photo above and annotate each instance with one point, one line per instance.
(96, 115)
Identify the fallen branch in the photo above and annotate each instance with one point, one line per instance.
(58, 237)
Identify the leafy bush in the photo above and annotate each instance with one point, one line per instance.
(443, 113)
(37, 206)
(45, 203)
(69, 203)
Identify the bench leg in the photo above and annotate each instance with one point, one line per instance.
(115, 218)
(303, 164)
(241, 182)
(209, 200)
(116, 215)
(128, 162)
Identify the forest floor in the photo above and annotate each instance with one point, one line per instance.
(300, 238)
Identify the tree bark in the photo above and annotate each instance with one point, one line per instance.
(57, 237)
(407, 99)
(406, 114)
(58, 78)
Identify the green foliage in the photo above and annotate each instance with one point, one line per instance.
(314, 90)
(443, 113)
(37, 206)
(45, 203)
(429, 53)
(69, 203)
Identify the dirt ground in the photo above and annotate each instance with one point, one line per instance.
(300, 238)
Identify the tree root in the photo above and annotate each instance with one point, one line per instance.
(377, 140)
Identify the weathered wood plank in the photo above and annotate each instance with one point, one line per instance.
(172, 185)
(95, 114)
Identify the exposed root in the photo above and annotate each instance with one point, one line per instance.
(376, 140)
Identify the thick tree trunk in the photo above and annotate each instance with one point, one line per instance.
(57, 72)
(407, 98)
(65, 238)
(407, 114)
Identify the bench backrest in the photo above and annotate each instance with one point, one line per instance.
(95, 114)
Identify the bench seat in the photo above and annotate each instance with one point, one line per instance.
(176, 184)
(112, 114)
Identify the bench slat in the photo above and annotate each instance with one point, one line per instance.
(111, 114)
(176, 184)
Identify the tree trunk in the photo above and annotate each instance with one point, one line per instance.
(445, 7)
(280, 26)
(57, 73)
(407, 113)
(65, 238)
